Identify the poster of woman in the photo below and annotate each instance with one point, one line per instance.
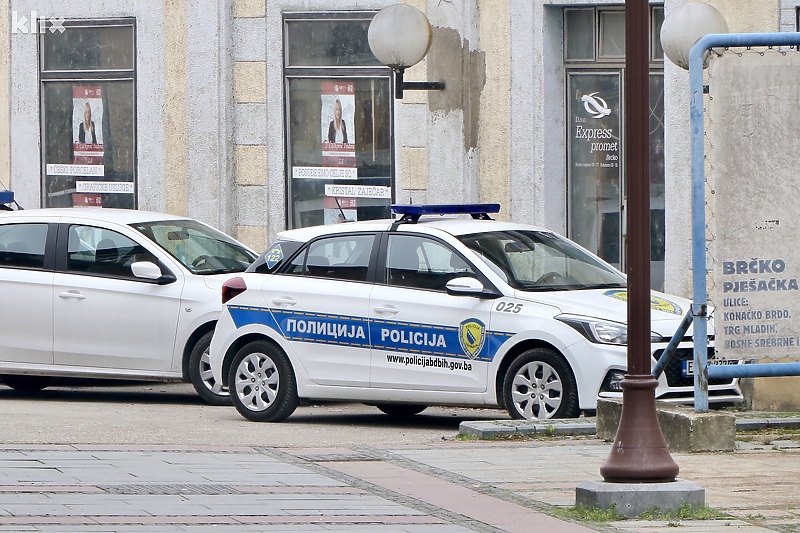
(337, 124)
(338, 143)
(87, 120)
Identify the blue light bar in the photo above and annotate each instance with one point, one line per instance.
(416, 210)
(6, 197)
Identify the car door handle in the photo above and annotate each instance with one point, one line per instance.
(71, 295)
(284, 302)
(386, 310)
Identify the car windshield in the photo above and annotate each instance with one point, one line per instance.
(542, 261)
(200, 248)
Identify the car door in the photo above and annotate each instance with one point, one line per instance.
(320, 303)
(26, 285)
(422, 337)
(105, 317)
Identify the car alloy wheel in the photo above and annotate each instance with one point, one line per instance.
(262, 382)
(539, 385)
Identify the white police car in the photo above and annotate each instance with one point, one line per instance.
(419, 311)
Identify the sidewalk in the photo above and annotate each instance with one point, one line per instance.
(455, 485)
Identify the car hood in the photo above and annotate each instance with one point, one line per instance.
(666, 310)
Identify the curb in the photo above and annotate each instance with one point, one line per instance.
(504, 429)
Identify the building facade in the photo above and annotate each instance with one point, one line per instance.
(222, 111)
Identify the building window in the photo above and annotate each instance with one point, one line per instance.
(339, 157)
(594, 57)
(88, 91)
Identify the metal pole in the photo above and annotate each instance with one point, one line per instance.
(699, 302)
(639, 453)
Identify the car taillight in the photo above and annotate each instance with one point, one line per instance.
(232, 288)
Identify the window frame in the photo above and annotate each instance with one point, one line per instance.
(598, 66)
(81, 76)
(656, 60)
(330, 73)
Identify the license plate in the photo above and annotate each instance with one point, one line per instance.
(688, 365)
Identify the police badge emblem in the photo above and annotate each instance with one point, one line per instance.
(471, 335)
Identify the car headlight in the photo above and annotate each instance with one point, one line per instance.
(602, 331)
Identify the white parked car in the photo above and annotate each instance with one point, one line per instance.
(439, 310)
(111, 293)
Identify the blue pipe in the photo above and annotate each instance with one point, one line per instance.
(762, 370)
(699, 296)
(669, 351)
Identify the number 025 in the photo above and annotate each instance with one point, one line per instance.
(507, 307)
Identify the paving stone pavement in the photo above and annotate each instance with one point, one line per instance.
(452, 486)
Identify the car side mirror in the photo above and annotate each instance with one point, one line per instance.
(152, 272)
(467, 286)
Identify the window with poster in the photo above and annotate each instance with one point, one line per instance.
(88, 114)
(340, 165)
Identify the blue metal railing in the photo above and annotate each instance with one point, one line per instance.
(699, 297)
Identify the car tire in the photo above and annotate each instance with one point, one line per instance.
(262, 383)
(540, 385)
(210, 390)
(401, 409)
(25, 383)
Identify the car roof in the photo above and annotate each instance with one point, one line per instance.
(458, 225)
(120, 216)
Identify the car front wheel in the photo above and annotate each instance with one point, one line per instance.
(262, 383)
(210, 390)
(539, 385)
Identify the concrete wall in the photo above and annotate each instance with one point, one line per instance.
(5, 78)
(741, 16)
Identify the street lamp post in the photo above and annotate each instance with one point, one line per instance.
(639, 453)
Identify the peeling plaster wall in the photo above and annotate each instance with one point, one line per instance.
(454, 170)
(494, 105)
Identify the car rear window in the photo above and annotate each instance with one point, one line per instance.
(22, 245)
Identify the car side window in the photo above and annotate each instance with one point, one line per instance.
(22, 245)
(344, 257)
(422, 263)
(100, 251)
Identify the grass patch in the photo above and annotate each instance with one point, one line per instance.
(589, 514)
(685, 512)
